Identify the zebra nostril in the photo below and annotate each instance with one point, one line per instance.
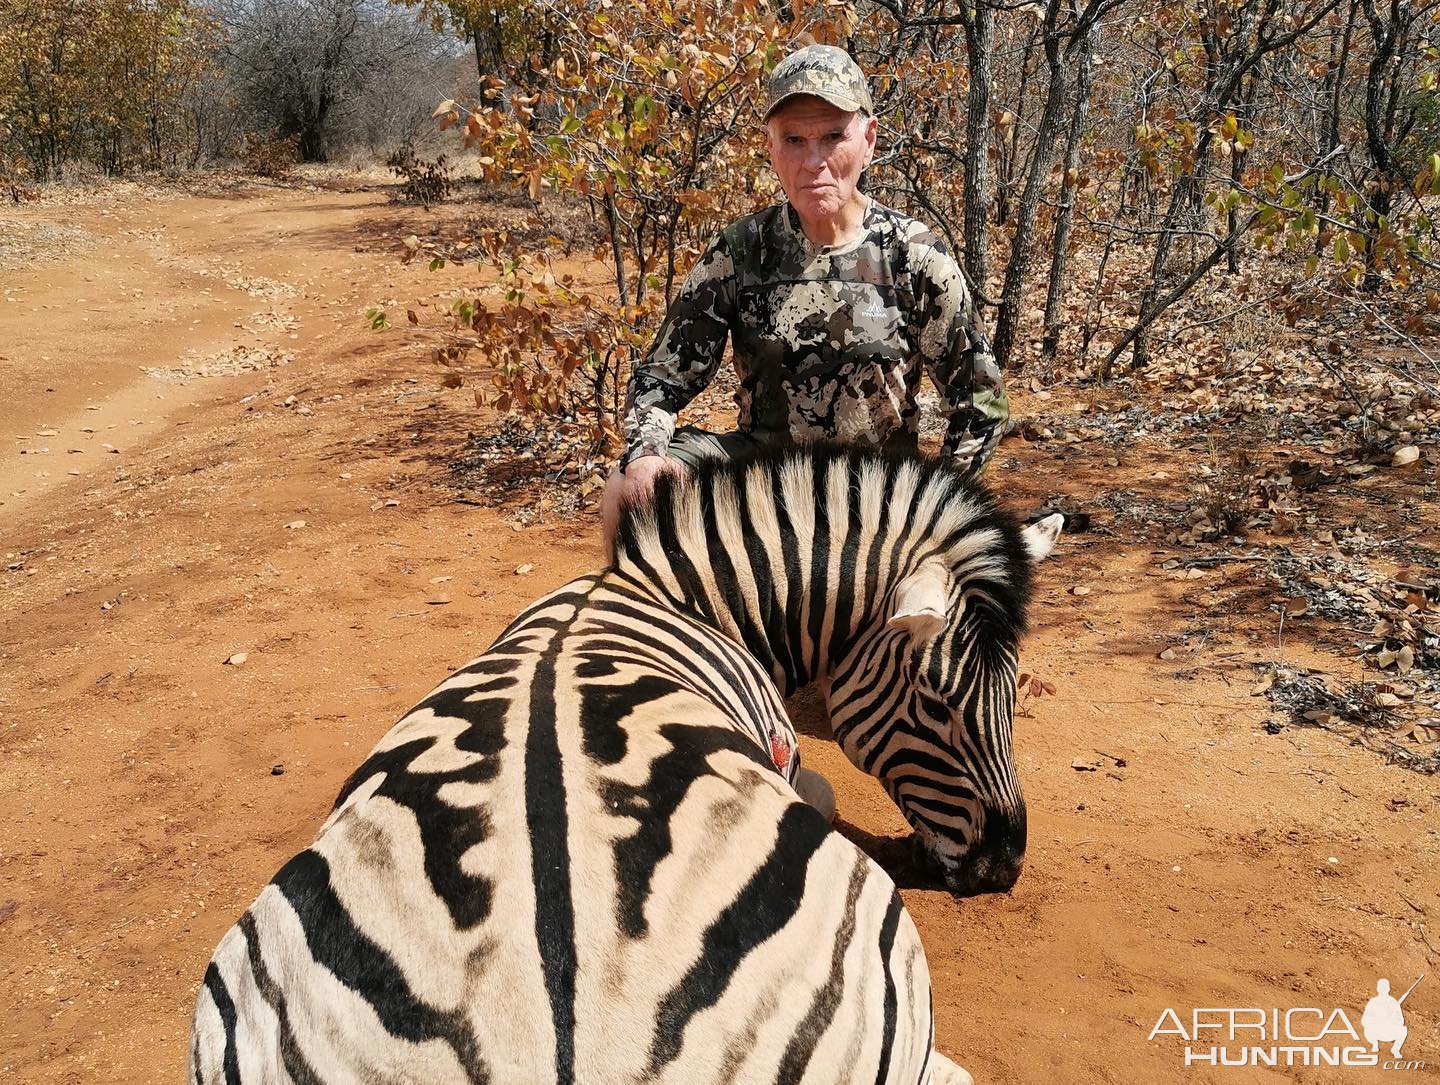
(1004, 874)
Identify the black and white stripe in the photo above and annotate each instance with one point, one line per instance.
(901, 587)
(577, 860)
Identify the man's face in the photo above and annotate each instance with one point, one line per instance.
(819, 151)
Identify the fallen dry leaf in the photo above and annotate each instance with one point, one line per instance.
(1404, 454)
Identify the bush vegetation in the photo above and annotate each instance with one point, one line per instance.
(1092, 164)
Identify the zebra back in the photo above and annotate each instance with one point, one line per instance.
(575, 862)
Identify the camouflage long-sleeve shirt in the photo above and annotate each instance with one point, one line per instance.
(830, 341)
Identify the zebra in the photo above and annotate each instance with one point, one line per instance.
(794, 555)
(584, 858)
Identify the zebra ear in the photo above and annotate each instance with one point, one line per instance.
(921, 601)
(1040, 536)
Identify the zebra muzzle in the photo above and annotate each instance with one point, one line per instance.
(989, 868)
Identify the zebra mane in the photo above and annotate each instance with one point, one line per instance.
(695, 526)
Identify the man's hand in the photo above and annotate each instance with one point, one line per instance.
(641, 473)
(634, 485)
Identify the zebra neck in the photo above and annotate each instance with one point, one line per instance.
(793, 559)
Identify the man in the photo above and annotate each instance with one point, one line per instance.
(835, 306)
(1383, 1021)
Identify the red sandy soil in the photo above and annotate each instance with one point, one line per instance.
(1220, 866)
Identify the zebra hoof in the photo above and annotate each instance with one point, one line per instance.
(946, 1072)
(817, 792)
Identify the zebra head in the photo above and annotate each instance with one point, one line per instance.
(924, 699)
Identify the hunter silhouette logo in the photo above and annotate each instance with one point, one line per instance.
(1384, 1020)
(1298, 1036)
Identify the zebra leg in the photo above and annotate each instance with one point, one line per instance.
(817, 792)
(945, 1072)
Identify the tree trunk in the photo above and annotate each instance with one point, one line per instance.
(979, 44)
(1237, 170)
(1335, 84)
(1385, 70)
(1010, 152)
(1060, 244)
(1020, 249)
(1088, 325)
(612, 225)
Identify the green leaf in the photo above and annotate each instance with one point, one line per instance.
(437, 263)
(1342, 249)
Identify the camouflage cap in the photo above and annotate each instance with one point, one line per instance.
(821, 70)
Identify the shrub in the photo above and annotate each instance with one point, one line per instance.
(423, 181)
(270, 156)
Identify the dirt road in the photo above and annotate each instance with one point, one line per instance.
(275, 489)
